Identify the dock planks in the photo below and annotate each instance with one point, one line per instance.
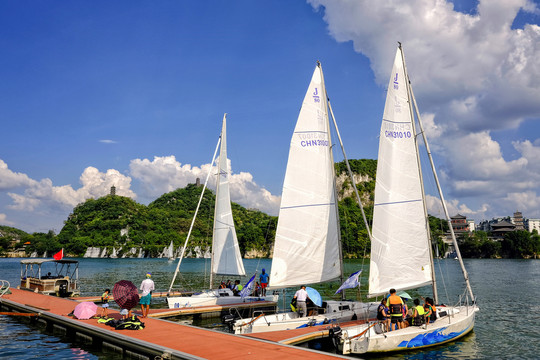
(167, 338)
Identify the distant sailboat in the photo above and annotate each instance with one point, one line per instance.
(307, 249)
(401, 256)
(226, 258)
(169, 252)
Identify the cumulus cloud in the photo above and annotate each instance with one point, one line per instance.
(10, 179)
(472, 74)
(165, 174)
(94, 184)
(106, 141)
(5, 221)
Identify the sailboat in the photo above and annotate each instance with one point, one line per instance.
(226, 259)
(401, 256)
(307, 248)
(168, 252)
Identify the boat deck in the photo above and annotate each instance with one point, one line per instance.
(159, 337)
(301, 335)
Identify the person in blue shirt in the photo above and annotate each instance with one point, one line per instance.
(264, 282)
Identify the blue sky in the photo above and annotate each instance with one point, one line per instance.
(132, 93)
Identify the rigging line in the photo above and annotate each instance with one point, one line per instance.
(195, 215)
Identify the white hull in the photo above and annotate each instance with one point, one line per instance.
(337, 311)
(215, 297)
(458, 322)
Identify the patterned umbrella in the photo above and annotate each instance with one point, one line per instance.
(125, 294)
(85, 310)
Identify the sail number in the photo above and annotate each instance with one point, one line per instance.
(305, 143)
(398, 134)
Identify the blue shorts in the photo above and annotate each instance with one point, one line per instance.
(145, 300)
(105, 305)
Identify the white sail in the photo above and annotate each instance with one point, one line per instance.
(307, 249)
(226, 257)
(400, 256)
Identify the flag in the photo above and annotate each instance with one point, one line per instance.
(59, 255)
(248, 288)
(351, 282)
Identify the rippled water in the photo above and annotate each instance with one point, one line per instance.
(506, 326)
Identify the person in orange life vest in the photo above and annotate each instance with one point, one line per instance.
(395, 304)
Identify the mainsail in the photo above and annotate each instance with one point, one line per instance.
(400, 255)
(307, 245)
(226, 257)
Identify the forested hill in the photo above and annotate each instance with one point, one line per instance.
(121, 223)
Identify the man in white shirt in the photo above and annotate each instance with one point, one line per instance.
(147, 286)
(301, 296)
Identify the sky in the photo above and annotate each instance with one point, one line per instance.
(132, 94)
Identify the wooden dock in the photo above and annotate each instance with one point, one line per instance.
(243, 309)
(160, 339)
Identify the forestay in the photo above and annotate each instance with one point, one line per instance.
(226, 257)
(307, 248)
(400, 255)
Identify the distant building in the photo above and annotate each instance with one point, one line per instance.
(532, 224)
(113, 190)
(459, 224)
(501, 228)
(472, 226)
(517, 220)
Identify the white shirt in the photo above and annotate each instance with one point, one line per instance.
(301, 295)
(147, 285)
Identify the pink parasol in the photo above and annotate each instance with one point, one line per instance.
(85, 310)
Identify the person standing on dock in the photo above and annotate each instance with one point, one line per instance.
(147, 286)
(105, 303)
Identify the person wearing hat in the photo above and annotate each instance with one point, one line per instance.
(147, 286)
(264, 282)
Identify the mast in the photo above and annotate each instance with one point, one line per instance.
(194, 217)
(353, 185)
(326, 106)
(217, 195)
(443, 202)
(350, 171)
(430, 243)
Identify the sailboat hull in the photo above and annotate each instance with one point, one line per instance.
(336, 311)
(458, 322)
(214, 297)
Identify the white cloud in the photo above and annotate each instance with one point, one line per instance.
(472, 75)
(4, 221)
(11, 180)
(94, 184)
(107, 141)
(165, 174)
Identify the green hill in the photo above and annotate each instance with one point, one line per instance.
(121, 223)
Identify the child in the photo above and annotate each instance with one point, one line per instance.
(105, 302)
(124, 313)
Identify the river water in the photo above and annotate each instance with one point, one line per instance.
(506, 326)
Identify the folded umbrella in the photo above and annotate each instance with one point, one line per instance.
(85, 310)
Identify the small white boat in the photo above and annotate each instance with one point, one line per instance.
(401, 256)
